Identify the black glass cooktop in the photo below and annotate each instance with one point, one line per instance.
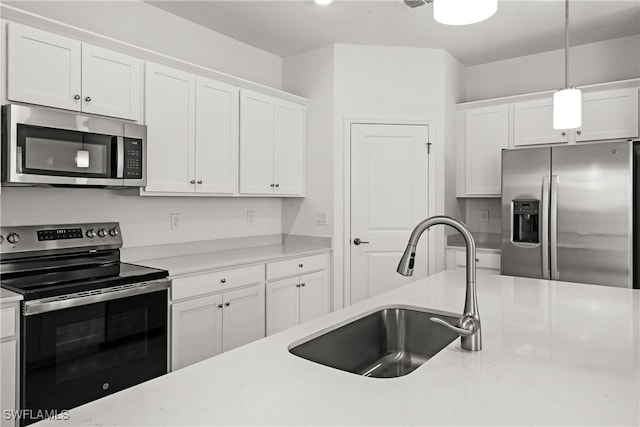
(53, 278)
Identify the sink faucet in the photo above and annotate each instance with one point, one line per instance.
(468, 327)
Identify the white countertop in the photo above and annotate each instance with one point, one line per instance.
(553, 353)
(8, 297)
(209, 261)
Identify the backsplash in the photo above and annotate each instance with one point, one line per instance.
(483, 215)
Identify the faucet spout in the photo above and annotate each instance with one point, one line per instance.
(470, 322)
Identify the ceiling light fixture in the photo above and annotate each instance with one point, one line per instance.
(463, 12)
(567, 102)
(323, 2)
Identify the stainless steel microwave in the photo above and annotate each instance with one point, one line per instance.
(43, 146)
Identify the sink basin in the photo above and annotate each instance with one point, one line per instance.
(390, 342)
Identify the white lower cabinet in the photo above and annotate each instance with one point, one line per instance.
(296, 300)
(207, 325)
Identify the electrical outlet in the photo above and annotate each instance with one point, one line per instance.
(176, 221)
(250, 217)
(322, 218)
(484, 216)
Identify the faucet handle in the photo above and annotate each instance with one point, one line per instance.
(460, 331)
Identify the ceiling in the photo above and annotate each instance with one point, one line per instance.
(518, 28)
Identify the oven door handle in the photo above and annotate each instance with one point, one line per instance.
(56, 303)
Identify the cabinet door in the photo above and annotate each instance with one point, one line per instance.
(314, 295)
(8, 372)
(533, 124)
(288, 147)
(216, 155)
(170, 120)
(609, 114)
(283, 304)
(486, 134)
(196, 330)
(243, 317)
(43, 68)
(110, 83)
(256, 143)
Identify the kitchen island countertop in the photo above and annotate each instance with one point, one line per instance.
(554, 353)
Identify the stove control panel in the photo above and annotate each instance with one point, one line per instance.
(31, 238)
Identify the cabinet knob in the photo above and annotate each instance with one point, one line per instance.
(227, 304)
(564, 133)
(193, 181)
(219, 305)
(298, 285)
(76, 96)
(579, 132)
(273, 185)
(223, 280)
(303, 284)
(199, 181)
(277, 185)
(300, 265)
(88, 99)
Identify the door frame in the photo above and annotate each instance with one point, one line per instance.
(342, 207)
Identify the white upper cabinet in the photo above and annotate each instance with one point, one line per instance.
(55, 71)
(288, 148)
(482, 134)
(216, 154)
(272, 136)
(256, 143)
(610, 114)
(111, 83)
(533, 124)
(170, 117)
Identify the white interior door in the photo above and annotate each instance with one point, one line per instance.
(389, 196)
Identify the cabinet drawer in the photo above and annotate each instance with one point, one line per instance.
(483, 260)
(214, 282)
(8, 319)
(291, 267)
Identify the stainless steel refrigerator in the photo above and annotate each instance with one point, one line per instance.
(568, 213)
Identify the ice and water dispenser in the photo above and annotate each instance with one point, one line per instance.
(526, 220)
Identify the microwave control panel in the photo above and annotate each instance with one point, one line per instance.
(132, 158)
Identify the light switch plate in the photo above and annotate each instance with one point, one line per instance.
(322, 218)
(484, 216)
(176, 221)
(250, 215)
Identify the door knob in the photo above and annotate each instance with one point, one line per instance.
(359, 242)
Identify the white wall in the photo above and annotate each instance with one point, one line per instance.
(610, 60)
(145, 220)
(310, 74)
(146, 26)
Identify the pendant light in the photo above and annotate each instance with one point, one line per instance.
(567, 102)
(463, 12)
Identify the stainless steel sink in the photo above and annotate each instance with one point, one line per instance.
(391, 342)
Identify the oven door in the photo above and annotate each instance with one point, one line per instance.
(75, 355)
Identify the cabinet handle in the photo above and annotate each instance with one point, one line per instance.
(223, 280)
(273, 185)
(300, 265)
(303, 284)
(277, 185)
(564, 133)
(579, 132)
(219, 305)
(298, 285)
(193, 181)
(199, 181)
(477, 259)
(88, 99)
(76, 96)
(227, 304)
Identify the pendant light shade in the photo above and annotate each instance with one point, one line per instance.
(567, 102)
(567, 108)
(463, 12)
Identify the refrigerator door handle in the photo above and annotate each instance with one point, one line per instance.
(553, 228)
(544, 226)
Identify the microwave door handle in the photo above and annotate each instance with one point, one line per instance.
(120, 154)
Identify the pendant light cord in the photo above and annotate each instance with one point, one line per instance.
(566, 43)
